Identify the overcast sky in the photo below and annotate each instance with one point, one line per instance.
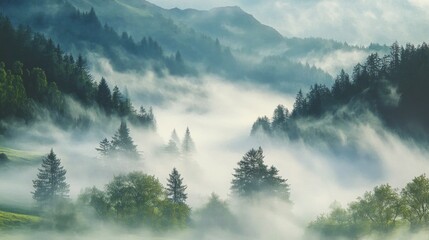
(355, 21)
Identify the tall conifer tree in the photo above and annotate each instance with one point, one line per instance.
(50, 185)
(176, 188)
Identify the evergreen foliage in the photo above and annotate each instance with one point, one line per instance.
(173, 144)
(35, 72)
(392, 87)
(50, 186)
(175, 188)
(105, 147)
(175, 138)
(104, 96)
(145, 118)
(122, 143)
(75, 29)
(252, 176)
(188, 145)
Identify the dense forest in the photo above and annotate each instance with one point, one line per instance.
(392, 87)
(150, 45)
(35, 74)
(82, 32)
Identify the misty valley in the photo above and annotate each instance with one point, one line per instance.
(129, 119)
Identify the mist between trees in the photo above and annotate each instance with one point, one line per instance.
(137, 200)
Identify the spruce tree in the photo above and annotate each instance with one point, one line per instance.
(188, 145)
(252, 176)
(173, 143)
(175, 188)
(50, 185)
(299, 105)
(105, 147)
(116, 99)
(104, 96)
(175, 137)
(123, 143)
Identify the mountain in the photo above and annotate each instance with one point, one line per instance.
(231, 25)
(140, 36)
(143, 19)
(208, 46)
(389, 90)
(81, 32)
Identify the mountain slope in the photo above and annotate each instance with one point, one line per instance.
(82, 33)
(202, 50)
(39, 82)
(231, 25)
(391, 90)
(245, 51)
(143, 19)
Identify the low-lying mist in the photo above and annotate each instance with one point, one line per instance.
(219, 115)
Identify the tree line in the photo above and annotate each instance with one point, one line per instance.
(380, 211)
(393, 87)
(140, 200)
(34, 73)
(83, 30)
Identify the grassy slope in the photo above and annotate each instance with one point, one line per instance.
(21, 157)
(12, 211)
(11, 220)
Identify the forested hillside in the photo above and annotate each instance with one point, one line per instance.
(82, 32)
(37, 79)
(165, 44)
(392, 87)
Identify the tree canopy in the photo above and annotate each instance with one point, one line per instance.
(121, 144)
(175, 187)
(252, 176)
(50, 185)
(136, 199)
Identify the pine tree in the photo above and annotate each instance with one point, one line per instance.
(146, 118)
(125, 106)
(299, 105)
(253, 176)
(123, 143)
(172, 148)
(105, 147)
(188, 145)
(175, 137)
(279, 118)
(104, 96)
(50, 185)
(173, 143)
(175, 188)
(116, 99)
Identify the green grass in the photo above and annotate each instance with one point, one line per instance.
(14, 220)
(20, 156)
